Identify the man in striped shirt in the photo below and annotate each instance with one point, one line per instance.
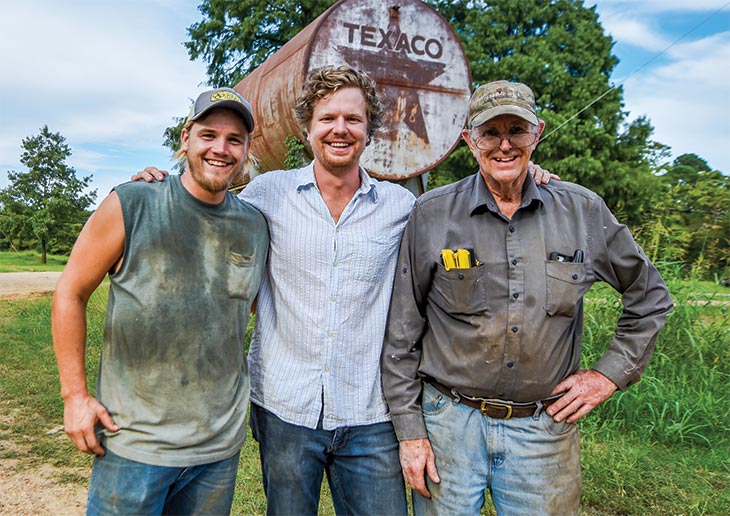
(317, 403)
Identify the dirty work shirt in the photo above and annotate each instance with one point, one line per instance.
(320, 316)
(511, 326)
(173, 373)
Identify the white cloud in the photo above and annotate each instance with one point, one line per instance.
(633, 32)
(688, 100)
(94, 71)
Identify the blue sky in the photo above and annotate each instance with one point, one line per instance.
(111, 75)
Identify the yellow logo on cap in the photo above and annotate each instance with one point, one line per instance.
(224, 95)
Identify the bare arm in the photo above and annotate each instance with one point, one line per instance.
(98, 248)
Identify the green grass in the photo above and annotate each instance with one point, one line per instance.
(30, 261)
(662, 447)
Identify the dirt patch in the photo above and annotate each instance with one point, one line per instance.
(17, 285)
(27, 489)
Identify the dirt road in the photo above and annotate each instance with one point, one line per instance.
(15, 285)
(24, 489)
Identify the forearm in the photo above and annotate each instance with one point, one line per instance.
(69, 342)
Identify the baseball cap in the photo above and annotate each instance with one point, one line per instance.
(501, 98)
(222, 98)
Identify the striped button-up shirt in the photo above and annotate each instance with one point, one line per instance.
(323, 303)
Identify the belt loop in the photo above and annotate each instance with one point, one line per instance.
(457, 398)
(538, 410)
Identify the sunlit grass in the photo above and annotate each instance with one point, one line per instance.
(661, 447)
(30, 261)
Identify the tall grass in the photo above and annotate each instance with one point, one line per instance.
(661, 447)
(683, 397)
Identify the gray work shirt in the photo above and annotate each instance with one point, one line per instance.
(510, 327)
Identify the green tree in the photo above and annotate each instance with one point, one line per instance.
(558, 47)
(235, 37)
(690, 219)
(46, 204)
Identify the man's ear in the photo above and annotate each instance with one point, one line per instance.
(184, 138)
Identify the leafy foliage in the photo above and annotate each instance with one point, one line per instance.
(47, 204)
(235, 37)
(690, 219)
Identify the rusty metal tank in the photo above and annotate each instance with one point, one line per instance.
(413, 55)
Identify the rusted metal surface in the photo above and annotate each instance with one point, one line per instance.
(416, 60)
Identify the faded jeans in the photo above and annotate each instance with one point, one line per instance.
(361, 462)
(530, 466)
(123, 486)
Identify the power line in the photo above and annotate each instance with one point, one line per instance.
(637, 70)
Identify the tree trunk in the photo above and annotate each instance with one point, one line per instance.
(43, 251)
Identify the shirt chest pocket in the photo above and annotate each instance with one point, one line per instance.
(565, 286)
(459, 291)
(371, 259)
(240, 276)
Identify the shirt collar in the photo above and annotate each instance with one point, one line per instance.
(482, 198)
(368, 185)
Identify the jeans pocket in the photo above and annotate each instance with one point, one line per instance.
(433, 402)
(554, 428)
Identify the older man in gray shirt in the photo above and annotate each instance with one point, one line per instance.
(482, 351)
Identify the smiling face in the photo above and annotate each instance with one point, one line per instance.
(338, 131)
(216, 149)
(504, 165)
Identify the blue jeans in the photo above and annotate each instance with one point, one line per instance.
(530, 466)
(122, 486)
(361, 462)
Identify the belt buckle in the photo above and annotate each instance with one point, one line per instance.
(487, 403)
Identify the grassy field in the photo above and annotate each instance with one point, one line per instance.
(662, 447)
(30, 261)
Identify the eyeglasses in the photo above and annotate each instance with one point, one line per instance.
(492, 139)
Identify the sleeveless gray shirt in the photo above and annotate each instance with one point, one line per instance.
(173, 373)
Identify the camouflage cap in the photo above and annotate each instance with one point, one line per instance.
(222, 98)
(501, 98)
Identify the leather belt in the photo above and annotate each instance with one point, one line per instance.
(496, 408)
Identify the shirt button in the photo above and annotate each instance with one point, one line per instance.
(461, 276)
(515, 295)
(514, 261)
(510, 364)
(514, 329)
(575, 276)
(329, 333)
(334, 264)
(333, 299)
(511, 229)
